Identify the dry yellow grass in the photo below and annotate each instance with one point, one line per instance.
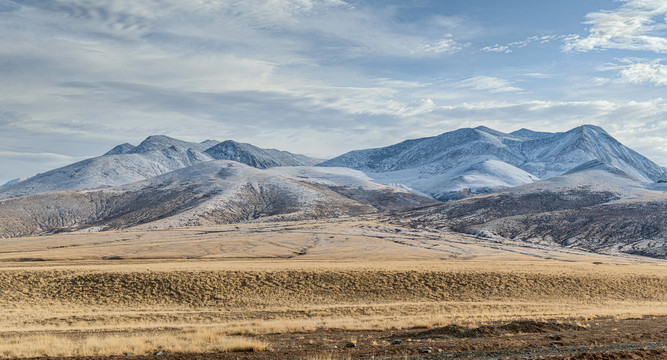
(308, 296)
(259, 289)
(201, 287)
(139, 344)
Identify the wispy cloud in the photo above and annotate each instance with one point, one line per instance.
(535, 39)
(489, 83)
(447, 45)
(652, 72)
(497, 49)
(635, 25)
(637, 71)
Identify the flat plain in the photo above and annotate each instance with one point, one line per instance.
(337, 288)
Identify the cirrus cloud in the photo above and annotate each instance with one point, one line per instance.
(635, 25)
(489, 83)
(652, 72)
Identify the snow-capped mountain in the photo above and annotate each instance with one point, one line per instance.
(551, 156)
(160, 142)
(212, 192)
(471, 161)
(107, 170)
(156, 155)
(260, 158)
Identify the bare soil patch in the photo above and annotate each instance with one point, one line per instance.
(595, 340)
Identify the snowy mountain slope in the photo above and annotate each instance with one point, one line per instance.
(444, 166)
(551, 156)
(441, 152)
(121, 149)
(530, 134)
(480, 177)
(12, 182)
(256, 157)
(595, 207)
(156, 155)
(206, 193)
(329, 176)
(107, 170)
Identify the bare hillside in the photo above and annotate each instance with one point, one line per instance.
(209, 193)
(595, 209)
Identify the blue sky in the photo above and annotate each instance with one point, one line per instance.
(322, 77)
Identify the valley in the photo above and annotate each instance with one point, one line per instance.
(299, 288)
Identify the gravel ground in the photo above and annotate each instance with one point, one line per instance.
(644, 338)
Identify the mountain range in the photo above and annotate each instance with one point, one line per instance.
(468, 161)
(156, 155)
(579, 189)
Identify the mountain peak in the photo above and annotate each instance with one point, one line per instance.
(158, 137)
(161, 142)
(209, 143)
(489, 130)
(257, 157)
(591, 128)
(121, 149)
(233, 143)
(154, 142)
(483, 128)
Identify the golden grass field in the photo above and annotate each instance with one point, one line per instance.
(216, 289)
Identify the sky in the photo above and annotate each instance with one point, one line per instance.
(78, 77)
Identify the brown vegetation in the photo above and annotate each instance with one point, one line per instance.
(110, 293)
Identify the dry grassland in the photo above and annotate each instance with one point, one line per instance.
(201, 340)
(193, 290)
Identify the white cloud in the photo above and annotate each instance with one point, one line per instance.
(489, 83)
(537, 75)
(632, 71)
(447, 46)
(509, 47)
(645, 72)
(415, 108)
(497, 48)
(49, 158)
(635, 25)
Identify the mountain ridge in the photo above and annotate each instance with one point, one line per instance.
(425, 164)
(154, 156)
(257, 157)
